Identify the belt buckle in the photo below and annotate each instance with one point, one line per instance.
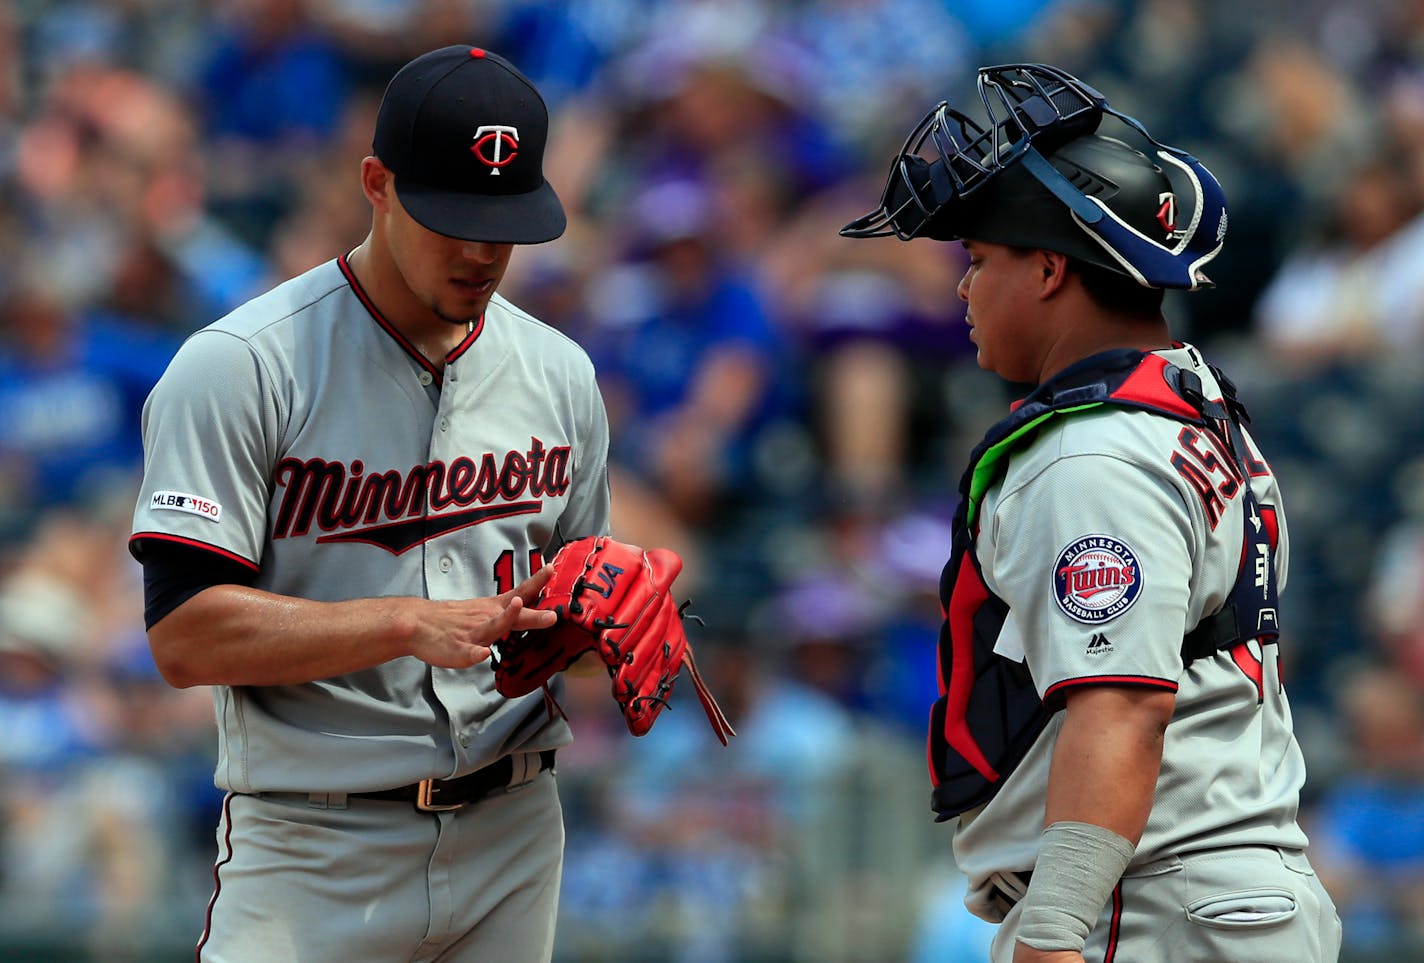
(425, 798)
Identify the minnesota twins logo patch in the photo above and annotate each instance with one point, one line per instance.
(1096, 578)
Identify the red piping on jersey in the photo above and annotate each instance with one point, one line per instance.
(464, 345)
(195, 543)
(1147, 385)
(1115, 927)
(217, 882)
(395, 332)
(968, 595)
(1145, 681)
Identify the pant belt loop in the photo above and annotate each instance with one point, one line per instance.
(326, 800)
(519, 773)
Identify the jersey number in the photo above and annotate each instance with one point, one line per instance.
(504, 568)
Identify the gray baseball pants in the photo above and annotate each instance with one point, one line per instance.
(379, 881)
(1245, 903)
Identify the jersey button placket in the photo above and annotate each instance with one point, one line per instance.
(425, 378)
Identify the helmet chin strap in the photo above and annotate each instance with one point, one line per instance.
(1050, 177)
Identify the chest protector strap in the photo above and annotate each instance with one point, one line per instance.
(989, 712)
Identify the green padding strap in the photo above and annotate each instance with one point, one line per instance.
(987, 469)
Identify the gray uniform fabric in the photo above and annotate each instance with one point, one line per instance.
(303, 436)
(1231, 770)
(1252, 904)
(419, 887)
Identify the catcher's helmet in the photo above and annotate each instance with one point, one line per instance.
(1041, 175)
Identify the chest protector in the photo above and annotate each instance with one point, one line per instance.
(989, 713)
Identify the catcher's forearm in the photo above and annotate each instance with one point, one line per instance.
(1111, 736)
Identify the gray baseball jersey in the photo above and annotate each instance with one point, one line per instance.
(1109, 537)
(303, 436)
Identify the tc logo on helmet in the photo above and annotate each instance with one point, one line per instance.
(1096, 578)
(496, 145)
(1167, 214)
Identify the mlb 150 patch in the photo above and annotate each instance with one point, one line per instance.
(183, 502)
(1096, 578)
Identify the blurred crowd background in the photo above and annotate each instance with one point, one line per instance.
(790, 411)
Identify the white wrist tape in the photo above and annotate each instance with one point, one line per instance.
(1078, 866)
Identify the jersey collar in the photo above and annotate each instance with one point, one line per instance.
(454, 353)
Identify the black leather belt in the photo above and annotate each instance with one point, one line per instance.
(438, 795)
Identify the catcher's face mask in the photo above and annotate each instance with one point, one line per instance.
(942, 182)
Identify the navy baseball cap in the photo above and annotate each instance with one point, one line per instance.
(464, 132)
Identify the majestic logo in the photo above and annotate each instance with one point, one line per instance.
(496, 146)
(1099, 645)
(1096, 578)
(1167, 214)
(397, 512)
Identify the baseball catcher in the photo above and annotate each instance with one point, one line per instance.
(613, 598)
(1109, 655)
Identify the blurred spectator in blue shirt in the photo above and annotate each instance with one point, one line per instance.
(84, 717)
(72, 389)
(1367, 830)
(270, 92)
(699, 367)
(271, 76)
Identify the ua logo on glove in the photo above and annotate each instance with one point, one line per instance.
(607, 575)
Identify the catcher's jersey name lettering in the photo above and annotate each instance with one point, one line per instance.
(339, 497)
(1201, 460)
(181, 502)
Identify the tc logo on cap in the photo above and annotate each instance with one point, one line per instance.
(495, 146)
(464, 133)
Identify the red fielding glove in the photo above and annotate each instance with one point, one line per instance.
(615, 598)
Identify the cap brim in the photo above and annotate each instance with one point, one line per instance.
(531, 218)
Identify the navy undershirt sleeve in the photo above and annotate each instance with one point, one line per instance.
(173, 573)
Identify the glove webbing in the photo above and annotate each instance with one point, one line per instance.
(715, 717)
(720, 726)
(631, 701)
